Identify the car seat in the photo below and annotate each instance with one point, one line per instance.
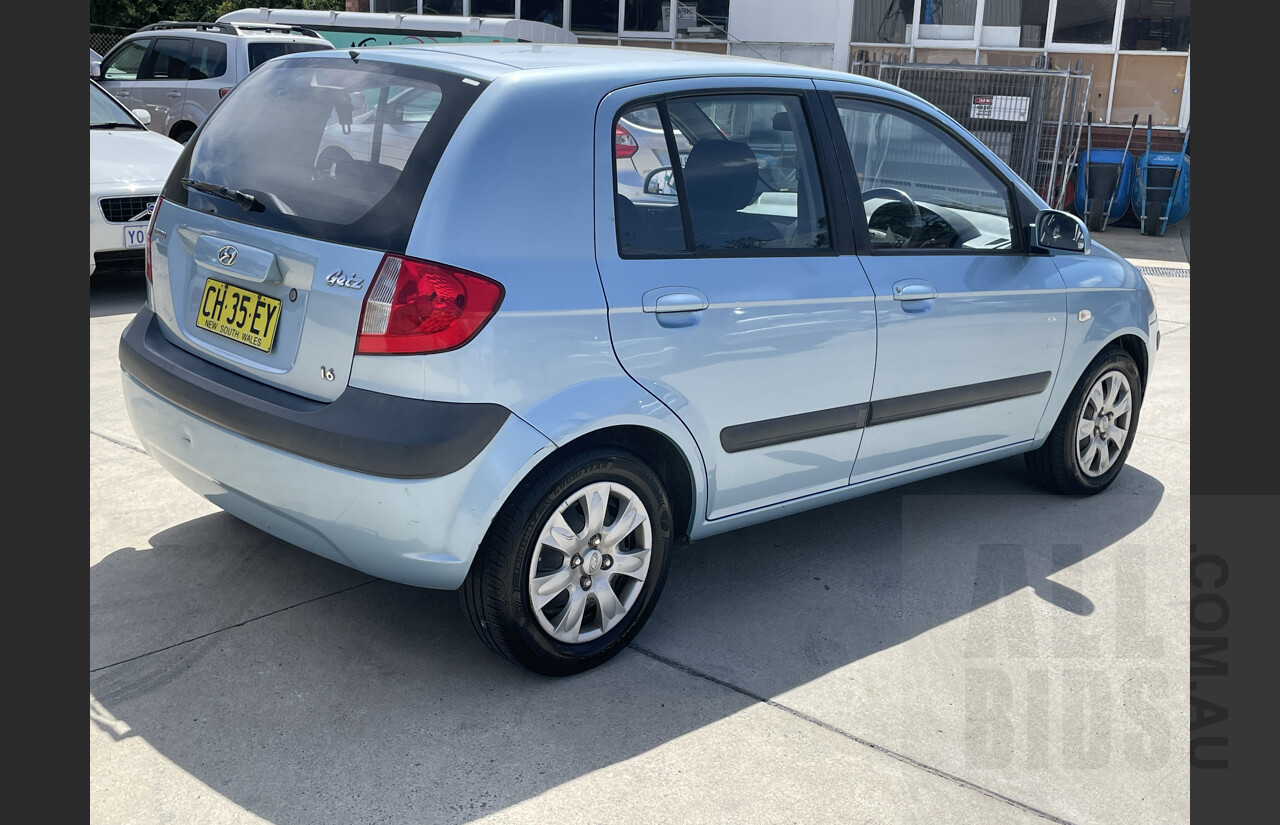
(721, 178)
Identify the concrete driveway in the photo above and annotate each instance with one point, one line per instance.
(966, 649)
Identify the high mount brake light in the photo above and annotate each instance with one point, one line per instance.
(416, 307)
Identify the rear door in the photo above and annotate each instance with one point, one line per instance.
(728, 297)
(210, 73)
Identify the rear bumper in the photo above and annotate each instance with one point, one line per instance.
(225, 437)
(368, 432)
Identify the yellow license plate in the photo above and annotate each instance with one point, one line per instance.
(239, 314)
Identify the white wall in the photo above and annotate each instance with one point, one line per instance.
(786, 21)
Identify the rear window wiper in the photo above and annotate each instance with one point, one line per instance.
(127, 124)
(244, 200)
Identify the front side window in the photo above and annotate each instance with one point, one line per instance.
(920, 188)
(745, 181)
(127, 61)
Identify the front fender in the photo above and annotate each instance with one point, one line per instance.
(1107, 300)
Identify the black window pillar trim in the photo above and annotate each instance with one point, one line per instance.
(845, 179)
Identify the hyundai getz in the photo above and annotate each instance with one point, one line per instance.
(485, 351)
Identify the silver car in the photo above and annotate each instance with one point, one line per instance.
(178, 71)
(474, 356)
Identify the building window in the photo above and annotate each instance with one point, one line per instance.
(594, 17)
(1018, 23)
(1088, 22)
(543, 11)
(493, 8)
(952, 20)
(648, 15)
(447, 7)
(1156, 26)
(1149, 86)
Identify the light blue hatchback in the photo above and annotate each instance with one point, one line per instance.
(483, 343)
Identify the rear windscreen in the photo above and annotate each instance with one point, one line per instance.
(334, 149)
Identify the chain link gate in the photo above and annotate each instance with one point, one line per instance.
(1031, 117)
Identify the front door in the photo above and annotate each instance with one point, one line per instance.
(970, 325)
(162, 83)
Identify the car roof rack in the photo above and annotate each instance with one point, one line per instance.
(230, 28)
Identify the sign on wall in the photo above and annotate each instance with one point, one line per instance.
(999, 107)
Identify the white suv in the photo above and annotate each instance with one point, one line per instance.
(179, 71)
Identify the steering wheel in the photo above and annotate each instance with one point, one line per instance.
(903, 214)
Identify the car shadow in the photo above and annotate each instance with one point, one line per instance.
(116, 293)
(304, 691)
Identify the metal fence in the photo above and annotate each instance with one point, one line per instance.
(1031, 117)
(102, 38)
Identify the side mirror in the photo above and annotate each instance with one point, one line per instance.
(1055, 229)
(95, 69)
(660, 182)
(142, 115)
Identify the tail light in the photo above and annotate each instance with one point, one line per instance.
(624, 144)
(417, 307)
(146, 247)
(223, 92)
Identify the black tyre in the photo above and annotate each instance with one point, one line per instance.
(1155, 208)
(1091, 439)
(183, 132)
(574, 563)
(1096, 208)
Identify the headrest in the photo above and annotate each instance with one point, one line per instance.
(720, 175)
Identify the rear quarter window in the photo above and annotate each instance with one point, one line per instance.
(327, 148)
(260, 53)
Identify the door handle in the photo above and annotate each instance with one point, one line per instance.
(679, 302)
(675, 306)
(914, 290)
(914, 295)
(674, 299)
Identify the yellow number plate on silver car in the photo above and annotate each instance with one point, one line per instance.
(239, 314)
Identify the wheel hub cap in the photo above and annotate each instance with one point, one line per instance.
(590, 562)
(1103, 428)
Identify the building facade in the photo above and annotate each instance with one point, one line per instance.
(1138, 51)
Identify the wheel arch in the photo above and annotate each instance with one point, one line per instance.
(662, 455)
(182, 126)
(1133, 343)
